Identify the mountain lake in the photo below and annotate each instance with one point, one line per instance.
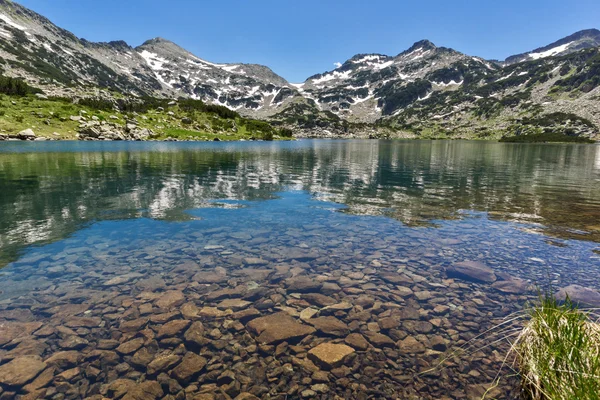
(326, 269)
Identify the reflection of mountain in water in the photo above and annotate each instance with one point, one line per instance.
(46, 196)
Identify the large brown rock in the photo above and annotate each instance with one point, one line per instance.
(410, 345)
(130, 390)
(579, 295)
(329, 355)
(330, 326)
(473, 271)
(162, 362)
(64, 359)
(21, 370)
(12, 330)
(173, 328)
(303, 284)
(357, 341)
(191, 365)
(170, 299)
(277, 328)
(131, 346)
(379, 340)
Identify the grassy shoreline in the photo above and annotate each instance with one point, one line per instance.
(62, 119)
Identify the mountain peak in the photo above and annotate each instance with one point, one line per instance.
(580, 40)
(422, 44)
(156, 40)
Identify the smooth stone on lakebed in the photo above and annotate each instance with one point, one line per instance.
(277, 328)
(579, 295)
(512, 286)
(21, 370)
(473, 271)
(357, 341)
(329, 355)
(303, 284)
(191, 365)
(330, 326)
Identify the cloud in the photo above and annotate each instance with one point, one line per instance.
(337, 64)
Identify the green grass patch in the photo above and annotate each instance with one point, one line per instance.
(558, 353)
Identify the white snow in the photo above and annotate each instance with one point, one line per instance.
(552, 52)
(12, 23)
(5, 34)
(367, 58)
(451, 83)
(48, 47)
(156, 64)
(506, 77)
(383, 65)
(229, 68)
(66, 51)
(297, 85)
(154, 61)
(332, 76)
(426, 97)
(358, 100)
(522, 73)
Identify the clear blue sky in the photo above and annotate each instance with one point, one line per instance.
(301, 38)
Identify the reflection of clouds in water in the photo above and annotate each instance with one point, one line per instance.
(597, 163)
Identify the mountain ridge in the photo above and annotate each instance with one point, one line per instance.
(374, 89)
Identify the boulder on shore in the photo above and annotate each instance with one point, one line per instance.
(26, 134)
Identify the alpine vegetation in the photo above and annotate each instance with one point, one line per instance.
(558, 352)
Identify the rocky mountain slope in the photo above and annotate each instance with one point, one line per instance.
(426, 91)
(585, 39)
(33, 48)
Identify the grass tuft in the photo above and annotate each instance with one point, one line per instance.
(558, 353)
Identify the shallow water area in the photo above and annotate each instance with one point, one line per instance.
(216, 270)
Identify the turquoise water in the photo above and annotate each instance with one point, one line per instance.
(101, 230)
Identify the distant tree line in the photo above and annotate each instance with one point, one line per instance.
(15, 86)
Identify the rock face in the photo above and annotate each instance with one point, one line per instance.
(95, 130)
(21, 370)
(580, 295)
(277, 328)
(329, 355)
(473, 271)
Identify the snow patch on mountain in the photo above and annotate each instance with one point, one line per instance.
(12, 23)
(552, 52)
(335, 75)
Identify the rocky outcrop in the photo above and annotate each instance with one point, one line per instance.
(96, 130)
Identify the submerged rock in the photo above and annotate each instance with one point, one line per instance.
(277, 328)
(579, 295)
(21, 370)
(473, 271)
(329, 355)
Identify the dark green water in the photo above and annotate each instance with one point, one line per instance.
(101, 225)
